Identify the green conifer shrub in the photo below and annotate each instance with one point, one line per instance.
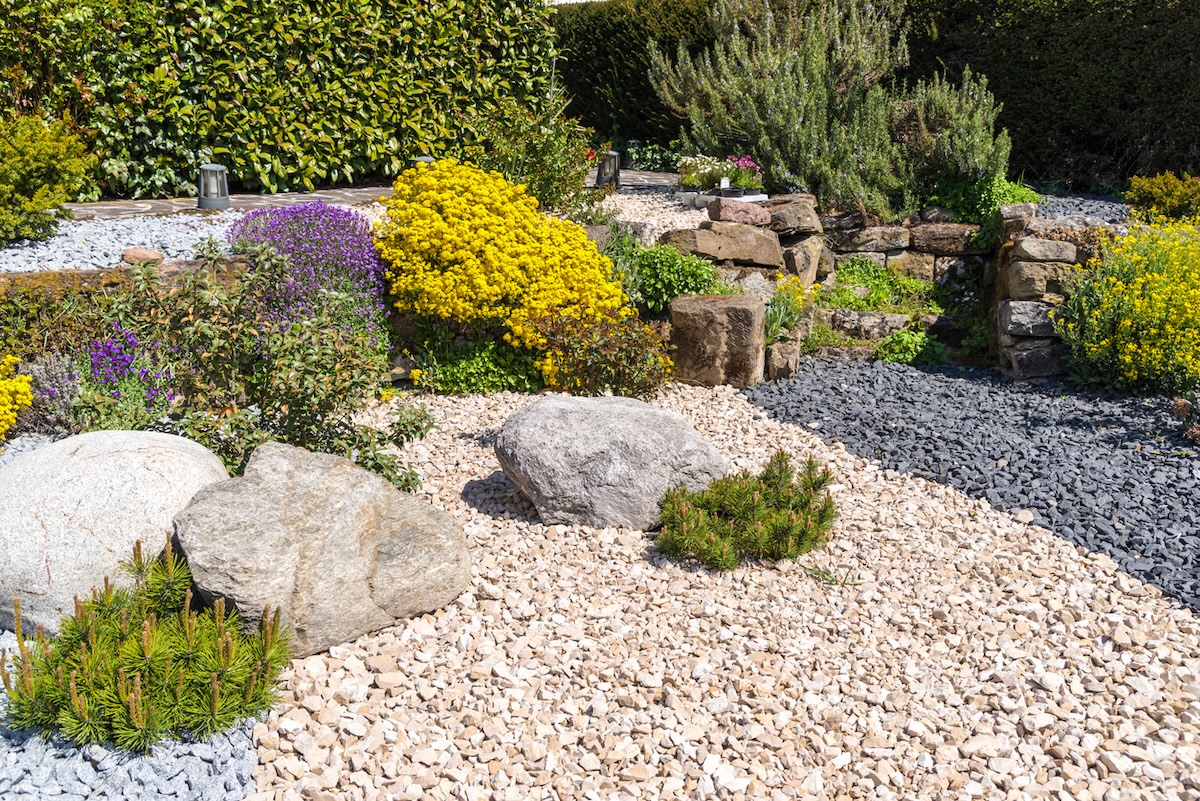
(42, 166)
(774, 515)
(135, 666)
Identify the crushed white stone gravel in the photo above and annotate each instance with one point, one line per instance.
(968, 656)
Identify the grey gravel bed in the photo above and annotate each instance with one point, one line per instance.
(33, 768)
(98, 243)
(1108, 473)
(1094, 206)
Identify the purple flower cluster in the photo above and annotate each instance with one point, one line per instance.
(328, 250)
(114, 360)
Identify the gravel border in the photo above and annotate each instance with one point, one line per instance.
(1107, 472)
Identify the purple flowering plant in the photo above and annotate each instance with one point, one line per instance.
(121, 386)
(333, 266)
(744, 172)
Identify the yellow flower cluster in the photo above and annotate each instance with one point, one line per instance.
(466, 246)
(1135, 318)
(16, 393)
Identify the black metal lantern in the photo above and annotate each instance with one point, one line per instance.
(608, 170)
(213, 187)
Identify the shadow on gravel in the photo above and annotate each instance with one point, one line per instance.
(1107, 472)
(496, 496)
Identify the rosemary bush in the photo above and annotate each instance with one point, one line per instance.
(136, 666)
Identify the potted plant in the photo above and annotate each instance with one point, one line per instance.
(744, 174)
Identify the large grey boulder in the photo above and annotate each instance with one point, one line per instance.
(337, 548)
(602, 461)
(71, 511)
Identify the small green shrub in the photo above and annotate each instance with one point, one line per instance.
(949, 133)
(774, 515)
(136, 666)
(657, 275)
(301, 383)
(862, 285)
(1165, 195)
(980, 202)
(545, 150)
(822, 336)
(617, 354)
(42, 166)
(461, 366)
(655, 158)
(1134, 319)
(911, 347)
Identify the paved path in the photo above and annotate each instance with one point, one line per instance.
(631, 180)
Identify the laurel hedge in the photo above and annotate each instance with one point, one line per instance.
(287, 95)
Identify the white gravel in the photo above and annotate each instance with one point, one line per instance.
(649, 214)
(970, 655)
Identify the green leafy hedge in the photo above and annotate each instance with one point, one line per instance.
(287, 95)
(605, 61)
(1094, 91)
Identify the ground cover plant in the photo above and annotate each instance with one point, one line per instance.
(780, 513)
(1134, 319)
(134, 666)
(332, 265)
(864, 285)
(787, 307)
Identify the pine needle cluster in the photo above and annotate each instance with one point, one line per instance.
(774, 515)
(134, 666)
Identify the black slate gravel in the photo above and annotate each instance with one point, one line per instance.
(1095, 206)
(1110, 473)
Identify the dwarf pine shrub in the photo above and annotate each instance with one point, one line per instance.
(774, 515)
(135, 666)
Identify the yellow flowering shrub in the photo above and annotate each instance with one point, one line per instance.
(1134, 320)
(16, 393)
(470, 248)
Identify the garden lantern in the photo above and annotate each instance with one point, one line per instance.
(213, 187)
(608, 171)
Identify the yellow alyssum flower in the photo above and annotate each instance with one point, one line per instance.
(467, 246)
(16, 393)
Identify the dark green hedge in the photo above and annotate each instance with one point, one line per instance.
(288, 95)
(1094, 91)
(605, 61)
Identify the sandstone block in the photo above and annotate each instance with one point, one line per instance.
(602, 461)
(877, 239)
(1033, 249)
(1033, 280)
(810, 260)
(719, 339)
(725, 241)
(725, 209)
(783, 359)
(798, 216)
(866, 325)
(1015, 218)
(946, 239)
(911, 263)
(1026, 318)
(1038, 358)
(136, 255)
